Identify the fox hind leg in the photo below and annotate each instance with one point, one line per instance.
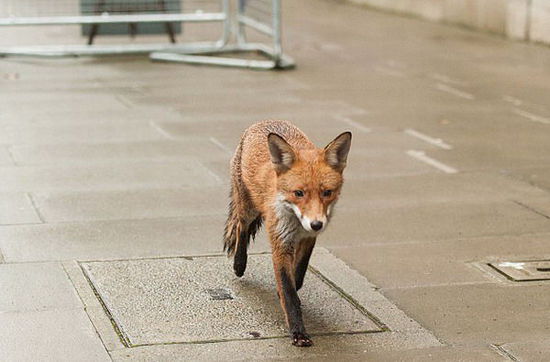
(242, 223)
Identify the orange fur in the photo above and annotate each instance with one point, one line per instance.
(279, 177)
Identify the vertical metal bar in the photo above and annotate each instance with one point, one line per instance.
(226, 9)
(277, 39)
(167, 26)
(241, 34)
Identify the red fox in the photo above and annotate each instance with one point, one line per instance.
(279, 177)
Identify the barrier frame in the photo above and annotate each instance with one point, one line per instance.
(234, 26)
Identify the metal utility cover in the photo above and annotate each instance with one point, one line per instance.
(178, 300)
(522, 271)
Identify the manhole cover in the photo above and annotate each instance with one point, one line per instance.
(522, 271)
(176, 300)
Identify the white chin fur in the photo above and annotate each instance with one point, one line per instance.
(306, 224)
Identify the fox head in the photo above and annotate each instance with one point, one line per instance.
(309, 180)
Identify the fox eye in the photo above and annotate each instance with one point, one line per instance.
(327, 193)
(299, 193)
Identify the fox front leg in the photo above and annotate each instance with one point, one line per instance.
(283, 264)
(302, 255)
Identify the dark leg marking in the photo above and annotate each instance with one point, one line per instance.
(241, 255)
(294, 313)
(301, 266)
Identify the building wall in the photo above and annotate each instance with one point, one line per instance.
(518, 19)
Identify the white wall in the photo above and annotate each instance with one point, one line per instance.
(518, 19)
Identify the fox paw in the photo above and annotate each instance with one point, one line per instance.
(239, 268)
(301, 340)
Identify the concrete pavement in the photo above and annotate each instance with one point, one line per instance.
(121, 163)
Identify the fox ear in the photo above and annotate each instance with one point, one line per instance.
(336, 152)
(282, 154)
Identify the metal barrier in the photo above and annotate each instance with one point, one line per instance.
(94, 16)
(261, 16)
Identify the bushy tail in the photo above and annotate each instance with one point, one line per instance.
(237, 230)
(233, 227)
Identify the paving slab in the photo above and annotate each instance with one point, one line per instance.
(35, 287)
(539, 176)
(53, 335)
(51, 115)
(353, 303)
(115, 239)
(468, 314)
(275, 349)
(100, 131)
(435, 354)
(17, 208)
(402, 191)
(195, 101)
(74, 153)
(45, 100)
(231, 130)
(138, 204)
(418, 264)
(528, 351)
(368, 164)
(107, 176)
(161, 301)
(431, 222)
(540, 205)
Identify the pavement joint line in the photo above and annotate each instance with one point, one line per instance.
(220, 145)
(390, 72)
(23, 224)
(211, 341)
(515, 101)
(421, 156)
(446, 79)
(118, 330)
(36, 209)
(88, 221)
(438, 285)
(357, 287)
(531, 209)
(160, 130)
(124, 101)
(454, 91)
(212, 173)
(499, 348)
(188, 257)
(431, 140)
(353, 109)
(383, 327)
(531, 116)
(78, 293)
(354, 124)
(11, 155)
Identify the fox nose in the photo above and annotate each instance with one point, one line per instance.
(316, 225)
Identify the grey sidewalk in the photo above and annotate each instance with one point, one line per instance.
(114, 175)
